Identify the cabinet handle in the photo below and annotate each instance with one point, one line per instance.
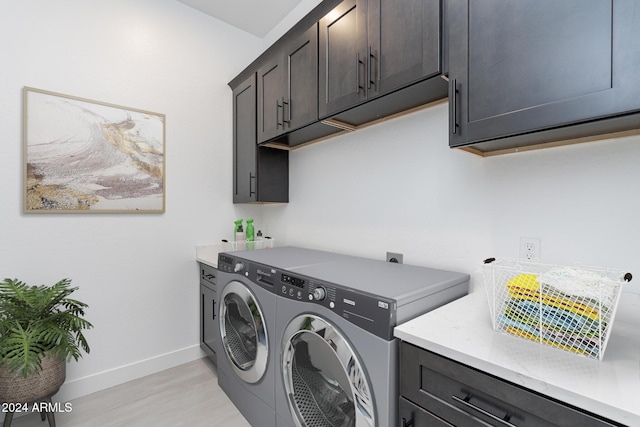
(251, 192)
(278, 107)
(213, 307)
(289, 85)
(358, 62)
(454, 106)
(406, 423)
(202, 325)
(369, 58)
(289, 107)
(465, 402)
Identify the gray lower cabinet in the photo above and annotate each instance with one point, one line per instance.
(534, 71)
(209, 334)
(436, 391)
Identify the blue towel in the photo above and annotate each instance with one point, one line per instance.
(552, 317)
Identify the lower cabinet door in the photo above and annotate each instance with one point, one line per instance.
(414, 416)
(208, 327)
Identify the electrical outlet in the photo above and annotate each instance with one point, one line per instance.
(530, 248)
(394, 257)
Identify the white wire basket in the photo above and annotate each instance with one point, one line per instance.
(244, 245)
(569, 308)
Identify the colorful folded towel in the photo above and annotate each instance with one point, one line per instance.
(527, 287)
(534, 313)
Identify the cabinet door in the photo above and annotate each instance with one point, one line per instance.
(518, 67)
(244, 141)
(342, 52)
(271, 92)
(301, 102)
(208, 329)
(404, 43)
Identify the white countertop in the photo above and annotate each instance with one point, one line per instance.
(208, 254)
(462, 331)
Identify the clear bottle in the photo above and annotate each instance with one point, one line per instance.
(238, 225)
(259, 240)
(240, 239)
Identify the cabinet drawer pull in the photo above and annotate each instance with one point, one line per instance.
(465, 402)
(406, 423)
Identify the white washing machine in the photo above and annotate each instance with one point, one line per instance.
(248, 350)
(338, 359)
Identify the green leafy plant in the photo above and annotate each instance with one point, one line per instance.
(39, 320)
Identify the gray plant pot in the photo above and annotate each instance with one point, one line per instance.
(34, 388)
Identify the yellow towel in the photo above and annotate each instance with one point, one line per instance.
(527, 286)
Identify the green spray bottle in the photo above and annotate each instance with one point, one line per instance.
(250, 233)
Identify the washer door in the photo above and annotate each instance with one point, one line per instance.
(243, 333)
(323, 377)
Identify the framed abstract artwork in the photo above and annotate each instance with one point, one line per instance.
(84, 156)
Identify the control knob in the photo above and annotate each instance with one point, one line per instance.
(238, 267)
(319, 293)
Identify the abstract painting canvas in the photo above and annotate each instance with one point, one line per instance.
(88, 156)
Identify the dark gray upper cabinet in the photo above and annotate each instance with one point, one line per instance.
(343, 48)
(373, 48)
(288, 87)
(270, 98)
(260, 174)
(527, 72)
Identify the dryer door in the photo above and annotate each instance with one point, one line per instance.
(242, 331)
(324, 380)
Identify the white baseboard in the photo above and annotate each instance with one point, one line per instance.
(102, 380)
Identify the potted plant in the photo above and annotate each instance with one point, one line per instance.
(40, 329)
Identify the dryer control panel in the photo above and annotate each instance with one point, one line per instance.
(262, 275)
(370, 312)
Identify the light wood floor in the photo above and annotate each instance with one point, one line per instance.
(187, 395)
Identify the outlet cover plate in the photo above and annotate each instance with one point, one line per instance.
(394, 257)
(530, 248)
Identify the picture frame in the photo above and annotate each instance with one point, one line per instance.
(86, 156)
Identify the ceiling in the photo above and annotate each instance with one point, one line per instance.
(257, 17)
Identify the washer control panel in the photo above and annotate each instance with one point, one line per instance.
(372, 313)
(259, 274)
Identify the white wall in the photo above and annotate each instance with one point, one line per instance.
(397, 187)
(137, 272)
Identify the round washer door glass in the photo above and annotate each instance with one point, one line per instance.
(323, 377)
(243, 333)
